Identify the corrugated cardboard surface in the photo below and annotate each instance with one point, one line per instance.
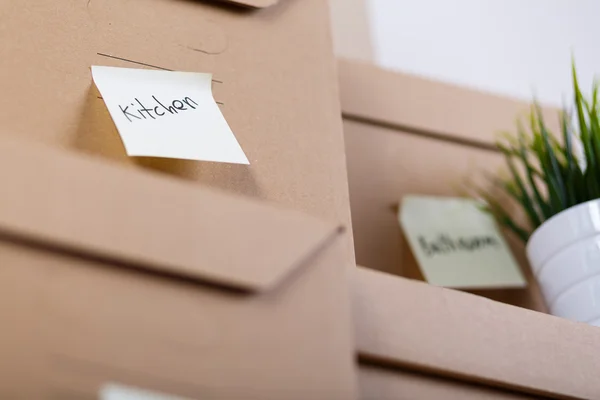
(412, 325)
(274, 76)
(377, 383)
(383, 166)
(113, 275)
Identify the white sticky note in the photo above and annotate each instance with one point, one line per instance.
(457, 244)
(167, 114)
(120, 392)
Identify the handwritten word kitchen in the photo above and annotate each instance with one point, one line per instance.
(155, 108)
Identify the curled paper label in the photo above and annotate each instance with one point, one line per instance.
(457, 244)
(167, 114)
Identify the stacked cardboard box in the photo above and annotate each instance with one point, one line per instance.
(417, 341)
(407, 135)
(214, 281)
(111, 273)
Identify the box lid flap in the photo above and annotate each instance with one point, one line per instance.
(405, 102)
(84, 206)
(410, 324)
(252, 3)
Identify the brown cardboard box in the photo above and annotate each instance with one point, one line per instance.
(404, 326)
(413, 164)
(383, 166)
(405, 135)
(110, 274)
(115, 275)
(274, 75)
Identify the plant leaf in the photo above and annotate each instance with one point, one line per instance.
(502, 216)
(531, 173)
(521, 195)
(556, 177)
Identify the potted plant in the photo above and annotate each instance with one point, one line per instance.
(555, 180)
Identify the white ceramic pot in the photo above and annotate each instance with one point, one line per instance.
(564, 253)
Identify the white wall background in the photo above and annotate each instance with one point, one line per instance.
(509, 47)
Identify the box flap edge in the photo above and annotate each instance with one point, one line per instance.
(72, 202)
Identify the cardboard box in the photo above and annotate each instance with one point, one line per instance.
(115, 275)
(405, 135)
(111, 274)
(404, 326)
(413, 164)
(275, 81)
(383, 166)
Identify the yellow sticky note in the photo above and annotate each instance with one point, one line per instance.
(457, 244)
(167, 114)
